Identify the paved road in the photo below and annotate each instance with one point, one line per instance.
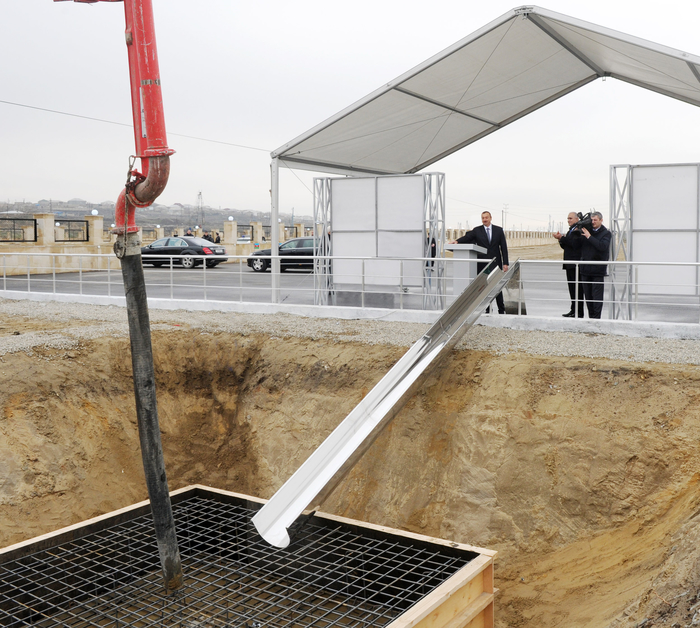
(544, 289)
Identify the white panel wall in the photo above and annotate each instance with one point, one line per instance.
(667, 247)
(379, 217)
(400, 203)
(353, 203)
(665, 197)
(665, 219)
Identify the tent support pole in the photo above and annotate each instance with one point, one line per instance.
(274, 227)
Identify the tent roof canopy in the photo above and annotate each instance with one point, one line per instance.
(518, 63)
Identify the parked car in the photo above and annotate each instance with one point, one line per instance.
(184, 247)
(294, 253)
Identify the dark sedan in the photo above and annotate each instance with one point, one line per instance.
(294, 253)
(183, 249)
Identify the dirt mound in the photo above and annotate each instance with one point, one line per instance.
(582, 473)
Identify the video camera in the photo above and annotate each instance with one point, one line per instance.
(584, 221)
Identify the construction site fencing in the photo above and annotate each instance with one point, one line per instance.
(649, 291)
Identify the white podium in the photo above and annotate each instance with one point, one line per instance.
(464, 272)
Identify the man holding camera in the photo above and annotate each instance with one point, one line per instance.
(594, 246)
(571, 253)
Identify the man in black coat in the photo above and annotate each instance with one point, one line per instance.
(493, 239)
(573, 278)
(594, 247)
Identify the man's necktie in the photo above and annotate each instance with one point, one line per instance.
(488, 233)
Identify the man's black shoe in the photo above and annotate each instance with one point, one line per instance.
(568, 315)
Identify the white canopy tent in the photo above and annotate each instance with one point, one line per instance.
(518, 63)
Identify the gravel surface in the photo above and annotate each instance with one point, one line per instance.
(67, 324)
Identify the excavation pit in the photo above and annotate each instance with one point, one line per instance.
(580, 471)
(337, 572)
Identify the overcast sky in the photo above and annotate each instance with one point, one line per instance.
(257, 74)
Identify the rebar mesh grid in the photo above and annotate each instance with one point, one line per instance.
(332, 575)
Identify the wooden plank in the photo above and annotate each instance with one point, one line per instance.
(472, 615)
(488, 579)
(363, 524)
(460, 608)
(116, 516)
(75, 531)
(409, 535)
(449, 599)
(478, 622)
(219, 491)
(95, 524)
(489, 621)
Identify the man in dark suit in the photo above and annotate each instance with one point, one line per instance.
(594, 247)
(573, 278)
(493, 239)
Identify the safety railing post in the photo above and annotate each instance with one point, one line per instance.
(171, 278)
(80, 273)
(4, 272)
(109, 275)
(53, 272)
(635, 273)
(401, 287)
(29, 273)
(363, 283)
(204, 277)
(520, 292)
(240, 280)
(275, 279)
(576, 291)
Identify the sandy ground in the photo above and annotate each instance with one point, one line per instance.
(581, 472)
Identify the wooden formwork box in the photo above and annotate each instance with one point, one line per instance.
(464, 600)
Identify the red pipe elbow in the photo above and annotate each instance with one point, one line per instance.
(141, 192)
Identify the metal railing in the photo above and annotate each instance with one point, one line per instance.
(18, 230)
(72, 231)
(649, 291)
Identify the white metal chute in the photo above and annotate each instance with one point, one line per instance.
(329, 463)
(516, 64)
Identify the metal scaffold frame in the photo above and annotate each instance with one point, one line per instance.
(621, 284)
(639, 195)
(434, 272)
(433, 280)
(323, 277)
